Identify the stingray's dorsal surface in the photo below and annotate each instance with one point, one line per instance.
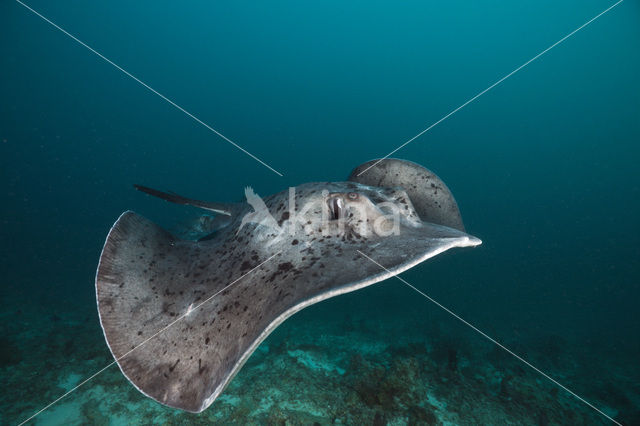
(236, 287)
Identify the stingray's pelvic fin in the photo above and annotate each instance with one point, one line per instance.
(220, 208)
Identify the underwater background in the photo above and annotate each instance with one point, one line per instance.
(544, 168)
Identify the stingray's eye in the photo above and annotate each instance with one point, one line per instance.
(353, 196)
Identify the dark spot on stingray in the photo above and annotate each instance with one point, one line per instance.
(283, 217)
(294, 242)
(285, 266)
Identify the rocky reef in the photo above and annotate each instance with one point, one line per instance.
(335, 363)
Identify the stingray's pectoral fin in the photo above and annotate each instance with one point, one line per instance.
(430, 196)
(170, 336)
(220, 208)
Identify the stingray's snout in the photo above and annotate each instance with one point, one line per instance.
(474, 241)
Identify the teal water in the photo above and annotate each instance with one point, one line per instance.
(543, 166)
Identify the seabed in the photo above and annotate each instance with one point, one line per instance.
(365, 358)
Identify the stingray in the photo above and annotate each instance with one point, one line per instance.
(181, 317)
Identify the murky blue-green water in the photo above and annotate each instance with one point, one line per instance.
(543, 166)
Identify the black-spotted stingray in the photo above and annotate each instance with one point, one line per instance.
(181, 317)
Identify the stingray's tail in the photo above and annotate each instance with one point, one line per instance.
(220, 208)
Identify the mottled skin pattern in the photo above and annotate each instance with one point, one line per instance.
(431, 197)
(147, 279)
